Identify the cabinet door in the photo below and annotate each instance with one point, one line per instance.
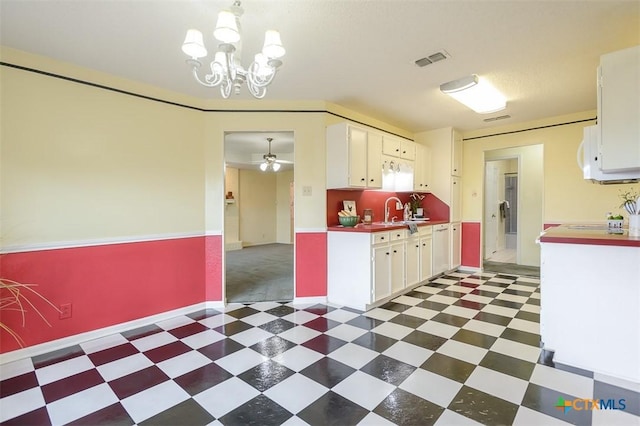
(456, 154)
(412, 256)
(397, 266)
(425, 258)
(456, 194)
(381, 272)
(422, 169)
(440, 253)
(456, 234)
(619, 109)
(374, 160)
(418, 169)
(357, 157)
(391, 146)
(407, 150)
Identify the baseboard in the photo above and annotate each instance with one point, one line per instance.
(235, 245)
(310, 300)
(471, 269)
(76, 339)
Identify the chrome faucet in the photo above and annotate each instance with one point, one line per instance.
(386, 207)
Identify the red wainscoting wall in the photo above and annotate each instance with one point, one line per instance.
(311, 264)
(470, 255)
(110, 284)
(213, 268)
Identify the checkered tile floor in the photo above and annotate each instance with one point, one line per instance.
(462, 349)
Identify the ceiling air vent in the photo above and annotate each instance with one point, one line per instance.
(500, 117)
(434, 57)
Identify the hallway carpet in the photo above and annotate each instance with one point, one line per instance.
(510, 268)
(260, 273)
(459, 350)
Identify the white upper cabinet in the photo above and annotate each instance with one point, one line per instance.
(422, 170)
(353, 157)
(619, 109)
(374, 160)
(456, 154)
(397, 147)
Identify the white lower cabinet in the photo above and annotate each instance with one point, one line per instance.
(426, 269)
(456, 242)
(440, 254)
(413, 259)
(381, 272)
(365, 269)
(396, 260)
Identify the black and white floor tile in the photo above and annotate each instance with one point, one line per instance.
(462, 349)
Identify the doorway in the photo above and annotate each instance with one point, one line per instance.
(501, 211)
(258, 223)
(513, 206)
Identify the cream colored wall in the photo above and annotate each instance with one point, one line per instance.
(283, 215)
(83, 164)
(309, 147)
(257, 198)
(231, 210)
(567, 196)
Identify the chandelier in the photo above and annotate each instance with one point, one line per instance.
(226, 69)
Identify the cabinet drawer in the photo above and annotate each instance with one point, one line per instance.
(398, 234)
(425, 230)
(379, 237)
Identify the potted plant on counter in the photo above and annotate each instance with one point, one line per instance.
(631, 203)
(415, 204)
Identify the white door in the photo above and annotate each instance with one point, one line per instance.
(490, 209)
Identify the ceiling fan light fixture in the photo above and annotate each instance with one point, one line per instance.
(270, 163)
(475, 93)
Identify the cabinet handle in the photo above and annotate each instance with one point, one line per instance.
(372, 180)
(395, 251)
(397, 149)
(362, 180)
(455, 183)
(417, 245)
(387, 253)
(382, 238)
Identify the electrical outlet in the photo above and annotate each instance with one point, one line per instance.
(65, 310)
(306, 191)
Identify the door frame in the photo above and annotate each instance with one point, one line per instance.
(290, 209)
(518, 158)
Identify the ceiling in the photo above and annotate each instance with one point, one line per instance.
(542, 55)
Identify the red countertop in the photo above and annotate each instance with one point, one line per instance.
(361, 227)
(591, 234)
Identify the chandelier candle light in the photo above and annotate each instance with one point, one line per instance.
(226, 69)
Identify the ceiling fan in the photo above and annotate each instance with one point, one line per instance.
(270, 161)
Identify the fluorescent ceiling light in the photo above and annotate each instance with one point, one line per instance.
(475, 93)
